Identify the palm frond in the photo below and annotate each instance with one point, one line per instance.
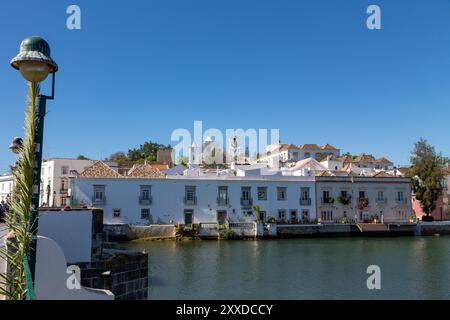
(18, 219)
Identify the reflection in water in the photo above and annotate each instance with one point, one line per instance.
(411, 268)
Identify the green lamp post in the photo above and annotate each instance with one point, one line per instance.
(35, 64)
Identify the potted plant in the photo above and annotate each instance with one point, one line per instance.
(375, 218)
(345, 200)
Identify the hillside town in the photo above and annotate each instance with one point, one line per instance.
(288, 184)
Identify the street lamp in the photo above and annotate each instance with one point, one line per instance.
(35, 64)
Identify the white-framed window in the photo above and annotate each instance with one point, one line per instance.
(305, 214)
(190, 193)
(262, 193)
(145, 214)
(304, 193)
(64, 170)
(326, 215)
(380, 195)
(117, 213)
(245, 193)
(281, 214)
(281, 193)
(146, 192)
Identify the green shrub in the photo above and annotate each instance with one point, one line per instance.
(228, 234)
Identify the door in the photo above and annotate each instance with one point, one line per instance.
(221, 217)
(293, 216)
(188, 216)
(262, 216)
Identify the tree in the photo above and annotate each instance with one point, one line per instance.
(146, 151)
(82, 157)
(117, 157)
(426, 174)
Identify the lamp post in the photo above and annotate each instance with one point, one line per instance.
(35, 63)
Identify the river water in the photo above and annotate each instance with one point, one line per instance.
(332, 268)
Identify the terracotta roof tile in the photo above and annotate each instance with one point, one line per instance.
(311, 146)
(328, 147)
(144, 171)
(382, 174)
(383, 160)
(364, 157)
(99, 170)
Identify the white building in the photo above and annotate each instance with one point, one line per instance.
(146, 196)
(361, 198)
(55, 175)
(6, 186)
(289, 153)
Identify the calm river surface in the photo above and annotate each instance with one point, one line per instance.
(411, 268)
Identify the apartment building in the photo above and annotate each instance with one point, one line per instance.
(146, 196)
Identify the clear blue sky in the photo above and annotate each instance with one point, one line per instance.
(137, 70)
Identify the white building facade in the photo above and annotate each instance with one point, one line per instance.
(209, 199)
(187, 200)
(6, 186)
(55, 175)
(363, 199)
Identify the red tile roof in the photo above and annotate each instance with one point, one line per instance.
(99, 170)
(328, 147)
(311, 146)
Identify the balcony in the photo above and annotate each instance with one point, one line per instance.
(99, 202)
(402, 201)
(380, 201)
(246, 202)
(192, 201)
(63, 190)
(145, 202)
(305, 202)
(223, 201)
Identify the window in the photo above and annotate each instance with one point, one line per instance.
(281, 193)
(400, 196)
(344, 194)
(326, 196)
(362, 194)
(262, 193)
(305, 215)
(245, 193)
(190, 193)
(146, 193)
(380, 195)
(117, 213)
(99, 193)
(64, 185)
(326, 215)
(307, 155)
(281, 214)
(64, 170)
(145, 214)
(223, 195)
(304, 193)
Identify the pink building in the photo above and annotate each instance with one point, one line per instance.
(439, 213)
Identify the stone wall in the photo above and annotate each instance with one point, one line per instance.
(432, 228)
(124, 274)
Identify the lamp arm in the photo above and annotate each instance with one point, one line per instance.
(53, 89)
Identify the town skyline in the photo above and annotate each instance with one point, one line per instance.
(290, 67)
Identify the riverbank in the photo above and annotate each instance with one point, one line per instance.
(253, 230)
